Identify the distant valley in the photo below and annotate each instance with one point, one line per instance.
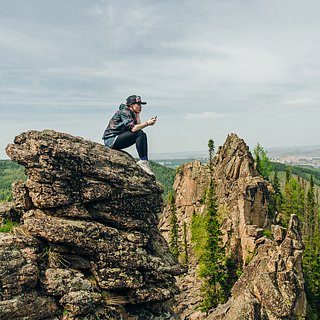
(295, 156)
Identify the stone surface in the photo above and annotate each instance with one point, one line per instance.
(18, 264)
(7, 212)
(243, 197)
(272, 285)
(30, 305)
(89, 221)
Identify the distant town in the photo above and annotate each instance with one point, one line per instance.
(297, 160)
(295, 156)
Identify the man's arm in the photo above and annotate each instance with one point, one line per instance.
(140, 126)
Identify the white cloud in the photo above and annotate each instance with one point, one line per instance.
(301, 102)
(203, 115)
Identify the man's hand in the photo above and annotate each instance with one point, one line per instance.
(152, 121)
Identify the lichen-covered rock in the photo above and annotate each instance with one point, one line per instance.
(272, 285)
(91, 216)
(29, 305)
(18, 264)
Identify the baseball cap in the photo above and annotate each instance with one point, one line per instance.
(134, 99)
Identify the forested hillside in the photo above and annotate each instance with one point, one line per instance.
(302, 172)
(164, 175)
(297, 192)
(9, 172)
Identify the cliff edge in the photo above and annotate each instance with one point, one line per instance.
(87, 246)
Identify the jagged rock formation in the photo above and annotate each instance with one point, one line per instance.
(244, 198)
(88, 245)
(272, 285)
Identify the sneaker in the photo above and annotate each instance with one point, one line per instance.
(144, 164)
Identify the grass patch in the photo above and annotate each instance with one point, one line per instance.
(7, 226)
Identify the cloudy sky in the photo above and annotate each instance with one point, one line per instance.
(206, 68)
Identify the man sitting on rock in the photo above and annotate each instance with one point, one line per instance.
(125, 129)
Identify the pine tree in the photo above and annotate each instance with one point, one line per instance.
(288, 174)
(212, 261)
(277, 188)
(173, 243)
(263, 164)
(293, 202)
(310, 213)
(311, 258)
(211, 150)
(185, 245)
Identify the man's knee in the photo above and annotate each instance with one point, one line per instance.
(141, 133)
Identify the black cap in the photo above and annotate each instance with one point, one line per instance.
(134, 99)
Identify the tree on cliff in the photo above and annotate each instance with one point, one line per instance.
(173, 243)
(277, 190)
(263, 164)
(212, 260)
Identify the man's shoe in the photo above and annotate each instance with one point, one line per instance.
(144, 164)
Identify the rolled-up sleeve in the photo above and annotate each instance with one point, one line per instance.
(127, 119)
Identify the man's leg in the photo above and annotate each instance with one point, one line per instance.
(142, 145)
(128, 138)
(125, 140)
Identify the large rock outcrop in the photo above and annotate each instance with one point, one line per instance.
(244, 199)
(88, 245)
(272, 285)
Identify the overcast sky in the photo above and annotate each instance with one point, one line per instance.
(206, 68)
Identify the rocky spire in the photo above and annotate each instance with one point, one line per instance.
(244, 199)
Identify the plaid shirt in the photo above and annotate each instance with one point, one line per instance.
(123, 120)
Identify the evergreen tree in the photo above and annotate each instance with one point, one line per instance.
(211, 150)
(293, 202)
(277, 188)
(173, 243)
(213, 268)
(311, 257)
(212, 260)
(310, 213)
(185, 245)
(288, 174)
(263, 164)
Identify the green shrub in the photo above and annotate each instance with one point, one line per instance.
(267, 233)
(7, 226)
